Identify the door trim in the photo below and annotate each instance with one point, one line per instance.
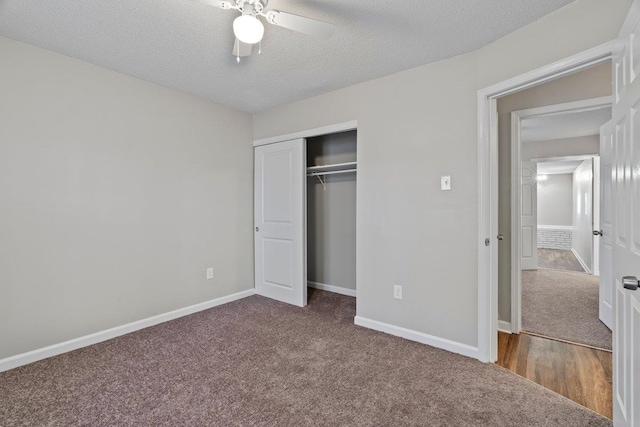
(488, 183)
(516, 188)
(309, 133)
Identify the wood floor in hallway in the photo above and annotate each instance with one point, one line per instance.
(580, 373)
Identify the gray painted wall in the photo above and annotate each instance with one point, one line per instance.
(591, 83)
(331, 214)
(414, 127)
(555, 200)
(115, 196)
(583, 212)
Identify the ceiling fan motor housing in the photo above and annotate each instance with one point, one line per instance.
(253, 7)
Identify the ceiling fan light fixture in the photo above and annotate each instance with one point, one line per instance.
(248, 29)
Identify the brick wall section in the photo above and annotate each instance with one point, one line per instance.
(554, 238)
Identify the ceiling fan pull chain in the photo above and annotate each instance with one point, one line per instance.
(260, 48)
(238, 50)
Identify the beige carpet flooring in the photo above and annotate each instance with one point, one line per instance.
(564, 305)
(258, 362)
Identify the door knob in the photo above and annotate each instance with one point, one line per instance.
(630, 282)
(500, 237)
(597, 232)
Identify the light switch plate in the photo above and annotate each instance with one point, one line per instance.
(397, 292)
(209, 273)
(445, 183)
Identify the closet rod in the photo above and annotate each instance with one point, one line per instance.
(331, 172)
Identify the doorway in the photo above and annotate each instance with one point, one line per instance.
(560, 296)
(539, 151)
(488, 183)
(567, 190)
(554, 209)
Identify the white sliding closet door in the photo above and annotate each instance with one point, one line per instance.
(280, 206)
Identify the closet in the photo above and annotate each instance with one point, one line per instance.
(305, 215)
(331, 212)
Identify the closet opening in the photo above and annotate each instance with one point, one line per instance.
(305, 216)
(331, 213)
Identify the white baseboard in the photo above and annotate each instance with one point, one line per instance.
(504, 326)
(330, 288)
(87, 340)
(587, 269)
(445, 344)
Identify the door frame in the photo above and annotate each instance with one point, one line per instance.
(516, 277)
(488, 183)
(516, 187)
(309, 133)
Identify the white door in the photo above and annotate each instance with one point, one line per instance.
(626, 222)
(529, 209)
(604, 238)
(280, 209)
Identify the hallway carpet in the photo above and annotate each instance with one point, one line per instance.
(563, 305)
(258, 362)
(558, 259)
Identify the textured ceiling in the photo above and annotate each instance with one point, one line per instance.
(187, 45)
(565, 125)
(552, 168)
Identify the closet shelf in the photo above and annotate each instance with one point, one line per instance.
(350, 167)
(319, 174)
(320, 171)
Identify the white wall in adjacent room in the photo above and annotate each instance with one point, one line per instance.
(555, 200)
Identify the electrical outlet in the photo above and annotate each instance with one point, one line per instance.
(209, 273)
(445, 183)
(397, 292)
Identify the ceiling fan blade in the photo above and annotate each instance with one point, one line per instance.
(301, 24)
(217, 3)
(241, 49)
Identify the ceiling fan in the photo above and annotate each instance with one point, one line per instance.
(249, 30)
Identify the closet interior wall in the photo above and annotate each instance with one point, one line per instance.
(331, 213)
